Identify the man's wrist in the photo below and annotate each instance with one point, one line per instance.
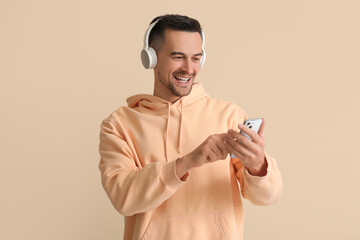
(261, 171)
(182, 166)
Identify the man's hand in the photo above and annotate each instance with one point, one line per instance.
(212, 149)
(250, 153)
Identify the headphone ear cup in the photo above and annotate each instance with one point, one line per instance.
(202, 60)
(145, 58)
(153, 57)
(148, 58)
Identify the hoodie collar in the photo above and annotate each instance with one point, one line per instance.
(154, 102)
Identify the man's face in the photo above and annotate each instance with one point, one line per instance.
(178, 64)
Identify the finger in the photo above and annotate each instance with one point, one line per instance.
(211, 156)
(240, 138)
(224, 151)
(251, 133)
(236, 154)
(216, 149)
(221, 144)
(251, 149)
(235, 147)
(234, 134)
(243, 146)
(245, 157)
(262, 127)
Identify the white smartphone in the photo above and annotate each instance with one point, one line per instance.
(252, 123)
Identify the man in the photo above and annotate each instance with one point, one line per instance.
(165, 159)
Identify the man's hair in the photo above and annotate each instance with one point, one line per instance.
(173, 22)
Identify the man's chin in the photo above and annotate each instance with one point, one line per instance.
(183, 91)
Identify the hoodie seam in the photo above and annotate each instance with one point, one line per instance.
(117, 129)
(165, 187)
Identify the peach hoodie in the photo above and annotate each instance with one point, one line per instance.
(139, 145)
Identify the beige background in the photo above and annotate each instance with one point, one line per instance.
(65, 65)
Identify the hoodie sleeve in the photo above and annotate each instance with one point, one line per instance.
(258, 190)
(132, 189)
(261, 190)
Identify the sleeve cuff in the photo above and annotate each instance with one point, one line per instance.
(259, 180)
(169, 178)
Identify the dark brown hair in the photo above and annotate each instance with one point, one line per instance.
(174, 22)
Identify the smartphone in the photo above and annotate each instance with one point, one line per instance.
(252, 123)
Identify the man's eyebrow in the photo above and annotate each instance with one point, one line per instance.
(183, 54)
(177, 53)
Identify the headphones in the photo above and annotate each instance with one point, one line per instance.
(148, 54)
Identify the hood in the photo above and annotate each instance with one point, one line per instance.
(156, 103)
(161, 107)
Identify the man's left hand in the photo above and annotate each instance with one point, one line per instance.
(250, 153)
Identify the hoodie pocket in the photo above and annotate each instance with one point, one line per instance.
(209, 227)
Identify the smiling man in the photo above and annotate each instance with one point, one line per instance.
(165, 158)
(178, 64)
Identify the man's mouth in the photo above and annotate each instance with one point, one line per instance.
(182, 79)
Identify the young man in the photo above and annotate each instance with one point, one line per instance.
(165, 159)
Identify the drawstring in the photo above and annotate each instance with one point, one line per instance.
(181, 123)
(167, 130)
(167, 134)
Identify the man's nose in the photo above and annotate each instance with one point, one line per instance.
(188, 66)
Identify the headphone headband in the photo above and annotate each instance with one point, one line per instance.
(148, 54)
(147, 33)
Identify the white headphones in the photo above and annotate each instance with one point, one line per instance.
(148, 54)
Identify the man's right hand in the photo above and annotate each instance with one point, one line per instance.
(211, 150)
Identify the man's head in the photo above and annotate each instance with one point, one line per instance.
(178, 44)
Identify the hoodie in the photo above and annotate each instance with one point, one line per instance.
(139, 145)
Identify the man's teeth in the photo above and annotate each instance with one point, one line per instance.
(182, 79)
